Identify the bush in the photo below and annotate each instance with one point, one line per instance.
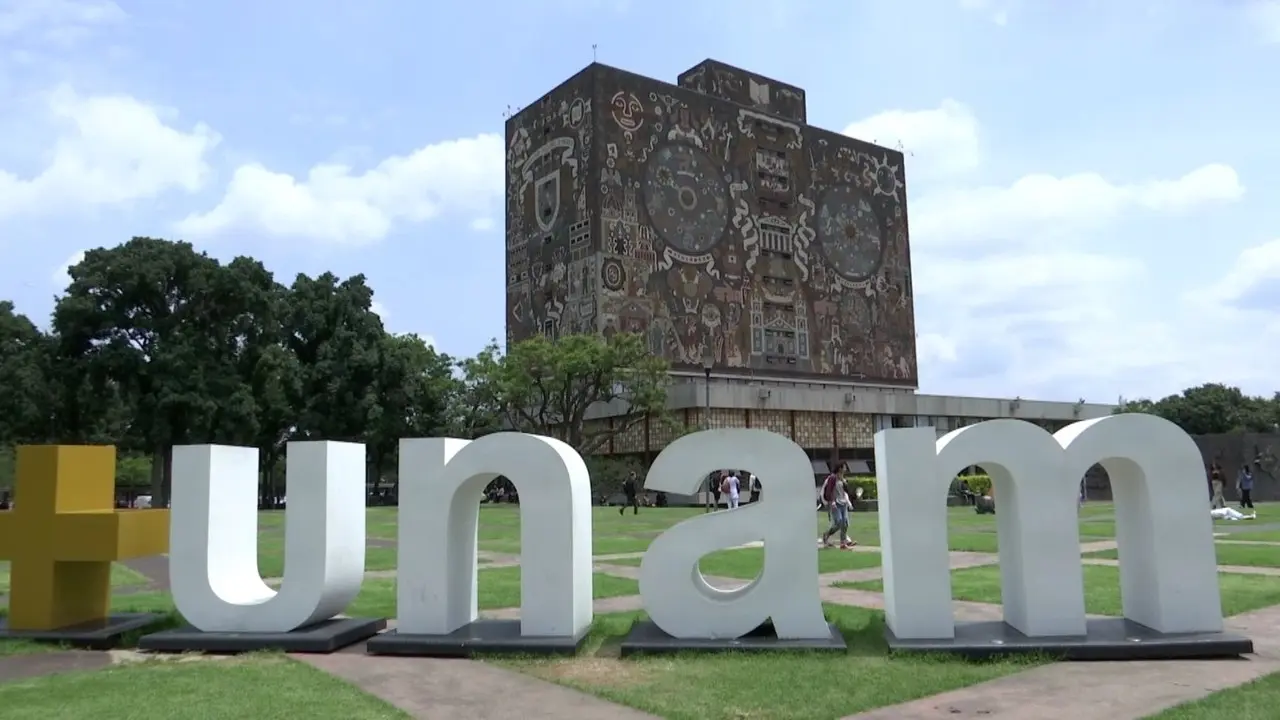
(978, 484)
(866, 482)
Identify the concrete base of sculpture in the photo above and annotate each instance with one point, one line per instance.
(322, 637)
(646, 638)
(1107, 639)
(482, 637)
(104, 634)
(984, 505)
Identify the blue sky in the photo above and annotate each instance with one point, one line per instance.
(1092, 185)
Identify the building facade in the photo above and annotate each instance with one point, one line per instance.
(766, 260)
(709, 217)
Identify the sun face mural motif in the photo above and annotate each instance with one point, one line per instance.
(627, 111)
(886, 178)
(850, 233)
(687, 200)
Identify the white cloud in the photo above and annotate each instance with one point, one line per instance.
(380, 310)
(940, 142)
(111, 149)
(60, 276)
(332, 204)
(1038, 204)
(1022, 289)
(482, 224)
(58, 21)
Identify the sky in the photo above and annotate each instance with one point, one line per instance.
(1092, 186)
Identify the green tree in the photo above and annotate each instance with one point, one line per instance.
(475, 408)
(166, 327)
(414, 384)
(337, 341)
(1212, 408)
(27, 398)
(547, 386)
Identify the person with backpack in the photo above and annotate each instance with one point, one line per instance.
(730, 487)
(828, 502)
(840, 514)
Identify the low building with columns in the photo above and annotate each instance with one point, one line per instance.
(833, 423)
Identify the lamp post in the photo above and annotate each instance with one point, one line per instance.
(708, 361)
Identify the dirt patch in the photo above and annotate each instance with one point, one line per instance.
(594, 671)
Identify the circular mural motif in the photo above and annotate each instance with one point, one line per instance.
(613, 275)
(687, 201)
(850, 233)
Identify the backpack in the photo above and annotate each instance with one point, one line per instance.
(829, 488)
(724, 485)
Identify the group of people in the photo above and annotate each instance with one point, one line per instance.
(730, 484)
(1244, 486)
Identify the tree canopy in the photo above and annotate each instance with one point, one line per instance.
(155, 344)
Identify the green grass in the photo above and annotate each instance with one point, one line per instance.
(747, 563)
(1256, 536)
(498, 588)
(615, 534)
(1228, 554)
(1240, 593)
(263, 686)
(1256, 700)
(778, 686)
(121, 576)
(271, 557)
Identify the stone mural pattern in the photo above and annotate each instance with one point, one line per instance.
(713, 228)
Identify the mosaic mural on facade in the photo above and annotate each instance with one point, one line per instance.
(552, 268)
(723, 229)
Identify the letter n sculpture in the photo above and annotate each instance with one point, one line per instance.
(61, 537)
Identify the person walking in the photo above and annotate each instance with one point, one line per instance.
(1244, 484)
(1215, 482)
(732, 484)
(828, 503)
(840, 520)
(717, 479)
(755, 488)
(630, 489)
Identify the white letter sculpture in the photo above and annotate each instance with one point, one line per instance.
(441, 483)
(676, 595)
(213, 537)
(1168, 568)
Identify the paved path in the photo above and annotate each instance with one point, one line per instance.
(30, 665)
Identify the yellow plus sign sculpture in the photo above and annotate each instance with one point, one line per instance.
(64, 532)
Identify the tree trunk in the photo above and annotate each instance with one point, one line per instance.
(157, 478)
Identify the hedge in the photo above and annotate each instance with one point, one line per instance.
(978, 484)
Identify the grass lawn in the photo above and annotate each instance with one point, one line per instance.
(1253, 701)
(746, 563)
(779, 686)
(271, 556)
(498, 588)
(1228, 554)
(1256, 536)
(615, 534)
(259, 686)
(121, 576)
(1240, 593)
